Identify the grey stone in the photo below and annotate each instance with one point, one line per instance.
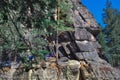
(93, 56)
(83, 34)
(85, 46)
(65, 47)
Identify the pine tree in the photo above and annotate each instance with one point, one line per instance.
(102, 40)
(26, 24)
(112, 30)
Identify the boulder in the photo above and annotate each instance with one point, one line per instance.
(93, 56)
(85, 46)
(80, 34)
(83, 34)
(73, 71)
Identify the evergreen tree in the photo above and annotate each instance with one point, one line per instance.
(112, 30)
(102, 40)
(25, 24)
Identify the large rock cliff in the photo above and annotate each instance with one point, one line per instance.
(81, 45)
(80, 54)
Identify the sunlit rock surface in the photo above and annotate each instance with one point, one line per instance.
(79, 54)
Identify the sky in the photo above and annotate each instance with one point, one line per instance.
(96, 8)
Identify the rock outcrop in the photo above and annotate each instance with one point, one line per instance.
(79, 54)
(81, 45)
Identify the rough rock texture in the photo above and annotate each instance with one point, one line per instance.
(78, 54)
(82, 46)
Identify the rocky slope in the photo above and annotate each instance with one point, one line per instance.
(80, 55)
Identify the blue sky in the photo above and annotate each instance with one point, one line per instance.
(96, 8)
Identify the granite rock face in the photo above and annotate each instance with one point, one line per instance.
(79, 54)
(81, 45)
